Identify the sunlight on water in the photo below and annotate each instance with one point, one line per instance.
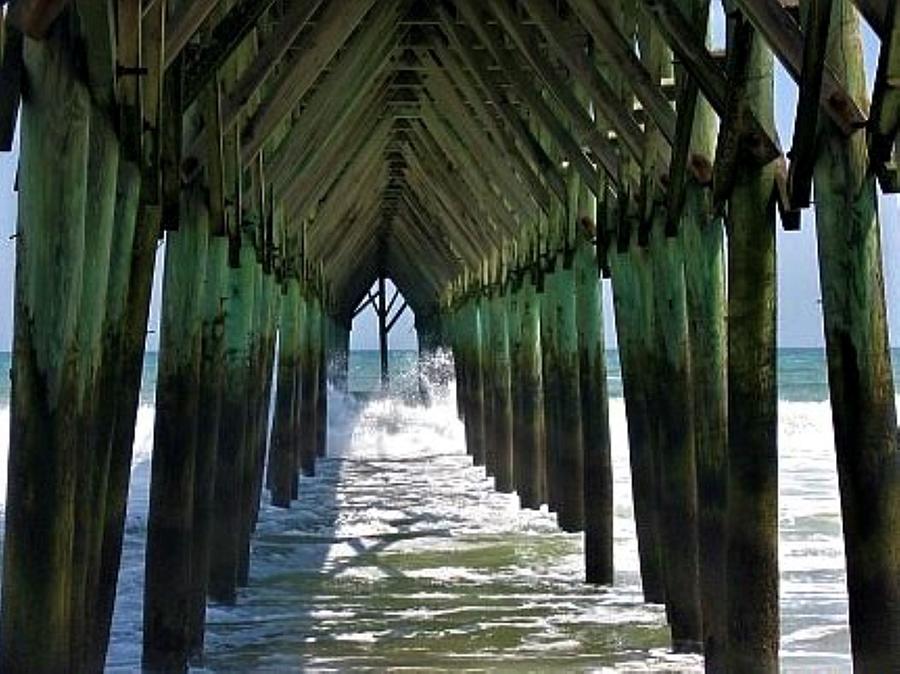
(399, 554)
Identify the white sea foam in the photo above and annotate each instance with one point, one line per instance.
(419, 516)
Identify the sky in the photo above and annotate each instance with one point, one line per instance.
(799, 309)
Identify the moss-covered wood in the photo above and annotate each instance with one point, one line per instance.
(859, 365)
(36, 620)
(501, 400)
(167, 581)
(752, 510)
(598, 479)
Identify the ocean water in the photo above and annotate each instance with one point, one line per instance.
(400, 555)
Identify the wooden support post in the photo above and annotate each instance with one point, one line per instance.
(859, 366)
(489, 388)
(474, 407)
(570, 451)
(281, 468)
(501, 415)
(167, 583)
(633, 302)
(514, 330)
(310, 389)
(704, 268)
(322, 402)
(752, 510)
(208, 420)
(677, 465)
(239, 311)
(100, 586)
(383, 332)
(550, 375)
(37, 571)
(299, 383)
(530, 403)
(103, 169)
(598, 480)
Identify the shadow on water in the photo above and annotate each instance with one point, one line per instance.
(399, 554)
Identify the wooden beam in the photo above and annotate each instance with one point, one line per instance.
(610, 42)
(803, 150)
(268, 57)
(783, 34)
(602, 95)
(501, 136)
(129, 58)
(875, 12)
(536, 103)
(202, 65)
(689, 46)
(885, 110)
(397, 316)
(476, 66)
(331, 32)
(186, 20)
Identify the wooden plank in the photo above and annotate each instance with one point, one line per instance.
(803, 150)
(129, 59)
(98, 31)
(602, 95)
(885, 110)
(202, 65)
(783, 34)
(330, 34)
(186, 21)
(535, 102)
(690, 48)
(610, 42)
(269, 55)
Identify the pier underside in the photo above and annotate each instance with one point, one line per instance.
(497, 160)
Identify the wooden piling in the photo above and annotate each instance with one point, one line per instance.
(281, 468)
(530, 415)
(35, 619)
(225, 544)
(103, 169)
(598, 480)
(212, 350)
(104, 568)
(704, 269)
(501, 400)
(752, 510)
(167, 581)
(310, 389)
(633, 303)
(570, 453)
(859, 364)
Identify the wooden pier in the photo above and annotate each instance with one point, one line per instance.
(496, 159)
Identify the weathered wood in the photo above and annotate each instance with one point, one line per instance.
(529, 418)
(859, 367)
(598, 478)
(752, 510)
(103, 169)
(35, 627)
(168, 578)
(286, 403)
(239, 311)
(212, 350)
(331, 32)
(202, 66)
(501, 397)
(123, 237)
